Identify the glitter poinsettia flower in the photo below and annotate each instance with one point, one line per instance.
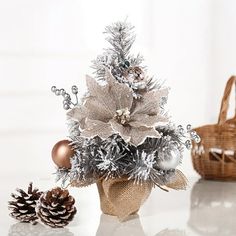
(110, 109)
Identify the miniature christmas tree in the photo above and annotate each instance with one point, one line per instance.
(120, 135)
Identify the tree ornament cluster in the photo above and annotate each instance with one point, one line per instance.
(54, 208)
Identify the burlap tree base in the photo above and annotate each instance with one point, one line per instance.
(121, 197)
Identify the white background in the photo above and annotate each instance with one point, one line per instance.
(191, 45)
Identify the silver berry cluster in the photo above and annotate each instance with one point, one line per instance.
(67, 102)
(189, 134)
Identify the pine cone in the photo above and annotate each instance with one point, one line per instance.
(23, 205)
(56, 208)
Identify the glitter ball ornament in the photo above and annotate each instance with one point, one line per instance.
(55, 208)
(134, 74)
(61, 153)
(169, 158)
(23, 206)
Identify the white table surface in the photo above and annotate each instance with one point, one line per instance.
(205, 208)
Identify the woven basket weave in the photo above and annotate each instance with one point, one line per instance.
(215, 156)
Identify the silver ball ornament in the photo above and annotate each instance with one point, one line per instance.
(169, 159)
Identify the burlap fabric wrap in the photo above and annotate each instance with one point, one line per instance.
(121, 197)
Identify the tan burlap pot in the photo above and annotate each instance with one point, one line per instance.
(121, 197)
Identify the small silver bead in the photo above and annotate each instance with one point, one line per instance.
(65, 101)
(66, 95)
(180, 128)
(189, 127)
(62, 91)
(193, 133)
(66, 106)
(53, 89)
(57, 92)
(188, 144)
(197, 139)
(74, 89)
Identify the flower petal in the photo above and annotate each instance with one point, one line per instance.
(97, 110)
(102, 94)
(134, 135)
(96, 128)
(120, 92)
(79, 114)
(108, 98)
(145, 120)
(138, 135)
(123, 131)
(150, 102)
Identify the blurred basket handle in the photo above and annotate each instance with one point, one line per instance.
(225, 101)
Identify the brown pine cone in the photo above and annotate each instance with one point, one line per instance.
(56, 208)
(23, 205)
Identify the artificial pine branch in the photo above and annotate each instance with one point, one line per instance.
(117, 58)
(121, 37)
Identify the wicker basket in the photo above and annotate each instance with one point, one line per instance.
(215, 156)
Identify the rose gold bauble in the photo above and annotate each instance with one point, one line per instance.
(61, 153)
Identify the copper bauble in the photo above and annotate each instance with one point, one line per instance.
(61, 153)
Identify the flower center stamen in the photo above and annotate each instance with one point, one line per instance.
(122, 115)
